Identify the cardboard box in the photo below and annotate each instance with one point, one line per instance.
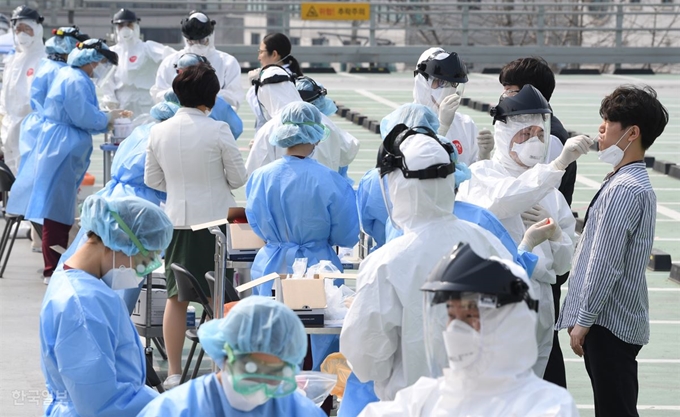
(159, 296)
(242, 242)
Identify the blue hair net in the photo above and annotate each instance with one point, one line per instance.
(256, 324)
(171, 97)
(62, 45)
(411, 115)
(323, 103)
(302, 123)
(146, 221)
(189, 60)
(79, 57)
(164, 110)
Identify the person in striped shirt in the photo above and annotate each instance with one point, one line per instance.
(606, 310)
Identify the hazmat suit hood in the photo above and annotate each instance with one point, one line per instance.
(508, 154)
(416, 202)
(507, 353)
(36, 46)
(274, 97)
(422, 92)
(124, 37)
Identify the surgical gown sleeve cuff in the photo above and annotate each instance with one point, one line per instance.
(585, 318)
(527, 260)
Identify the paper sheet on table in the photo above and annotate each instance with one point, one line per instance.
(333, 323)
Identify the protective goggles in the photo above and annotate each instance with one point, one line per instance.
(98, 46)
(148, 261)
(439, 83)
(250, 375)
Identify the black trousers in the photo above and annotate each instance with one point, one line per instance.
(554, 370)
(612, 369)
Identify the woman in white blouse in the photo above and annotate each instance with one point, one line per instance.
(194, 159)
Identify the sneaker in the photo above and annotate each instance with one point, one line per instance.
(172, 381)
(36, 249)
(46, 280)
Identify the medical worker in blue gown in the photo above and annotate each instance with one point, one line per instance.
(222, 111)
(258, 347)
(63, 148)
(127, 179)
(300, 208)
(91, 355)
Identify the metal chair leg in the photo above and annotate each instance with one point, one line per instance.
(158, 341)
(9, 221)
(152, 378)
(185, 371)
(198, 364)
(11, 245)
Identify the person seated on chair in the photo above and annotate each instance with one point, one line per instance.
(91, 355)
(258, 347)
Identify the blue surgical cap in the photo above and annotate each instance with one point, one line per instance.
(301, 123)
(256, 325)
(146, 221)
(62, 45)
(411, 115)
(171, 97)
(323, 103)
(164, 110)
(189, 60)
(79, 57)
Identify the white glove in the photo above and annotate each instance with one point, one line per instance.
(253, 75)
(485, 143)
(110, 105)
(534, 215)
(539, 233)
(447, 111)
(573, 149)
(117, 114)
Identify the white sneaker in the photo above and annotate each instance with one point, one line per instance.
(46, 280)
(36, 249)
(172, 381)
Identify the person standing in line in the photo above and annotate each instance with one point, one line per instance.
(606, 310)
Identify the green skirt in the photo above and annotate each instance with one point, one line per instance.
(195, 251)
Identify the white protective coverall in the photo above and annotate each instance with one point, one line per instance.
(507, 190)
(382, 336)
(15, 97)
(227, 68)
(338, 150)
(463, 131)
(500, 383)
(129, 84)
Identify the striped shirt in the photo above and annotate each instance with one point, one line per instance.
(607, 285)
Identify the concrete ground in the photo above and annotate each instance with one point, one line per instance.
(575, 102)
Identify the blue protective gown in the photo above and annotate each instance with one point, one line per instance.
(31, 127)
(204, 397)
(223, 112)
(300, 209)
(371, 207)
(91, 355)
(63, 148)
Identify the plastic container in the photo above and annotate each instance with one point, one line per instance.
(86, 189)
(316, 385)
(121, 129)
(191, 317)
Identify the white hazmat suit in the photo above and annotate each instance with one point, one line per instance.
(226, 67)
(338, 150)
(382, 337)
(15, 97)
(462, 131)
(138, 61)
(500, 383)
(508, 190)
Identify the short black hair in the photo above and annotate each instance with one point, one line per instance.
(196, 86)
(533, 71)
(636, 106)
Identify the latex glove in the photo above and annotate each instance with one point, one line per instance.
(110, 105)
(117, 114)
(253, 75)
(485, 143)
(535, 214)
(447, 111)
(573, 149)
(538, 233)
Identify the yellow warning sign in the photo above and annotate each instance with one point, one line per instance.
(335, 11)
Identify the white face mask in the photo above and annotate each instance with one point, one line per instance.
(530, 152)
(126, 34)
(439, 94)
(24, 39)
(463, 344)
(241, 402)
(199, 49)
(613, 154)
(122, 277)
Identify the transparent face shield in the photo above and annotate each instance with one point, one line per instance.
(440, 89)
(254, 372)
(528, 138)
(384, 188)
(452, 323)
